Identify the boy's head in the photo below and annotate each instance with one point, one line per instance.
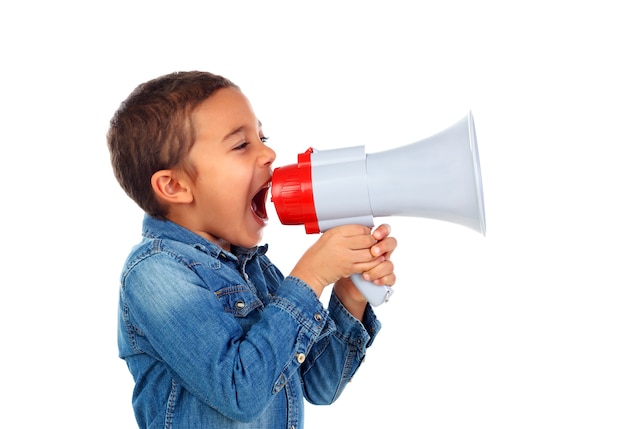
(152, 130)
(188, 147)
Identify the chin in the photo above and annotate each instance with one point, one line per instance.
(251, 240)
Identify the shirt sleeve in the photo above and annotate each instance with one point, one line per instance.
(335, 358)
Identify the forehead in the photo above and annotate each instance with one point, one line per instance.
(224, 109)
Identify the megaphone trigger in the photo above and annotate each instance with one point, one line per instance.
(375, 294)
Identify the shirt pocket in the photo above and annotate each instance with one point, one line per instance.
(238, 300)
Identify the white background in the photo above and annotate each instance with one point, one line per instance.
(523, 328)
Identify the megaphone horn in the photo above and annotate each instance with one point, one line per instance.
(438, 178)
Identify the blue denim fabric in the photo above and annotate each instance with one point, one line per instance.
(216, 339)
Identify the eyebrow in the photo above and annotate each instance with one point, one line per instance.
(237, 131)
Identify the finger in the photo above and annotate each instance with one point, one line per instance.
(359, 242)
(381, 274)
(352, 230)
(366, 266)
(384, 247)
(382, 231)
(388, 280)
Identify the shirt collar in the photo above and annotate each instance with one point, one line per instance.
(165, 229)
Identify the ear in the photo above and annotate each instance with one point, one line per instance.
(171, 189)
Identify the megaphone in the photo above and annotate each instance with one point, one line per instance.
(437, 178)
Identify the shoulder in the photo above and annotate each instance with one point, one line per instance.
(160, 258)
(159, 248)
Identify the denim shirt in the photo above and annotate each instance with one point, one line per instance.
(218, 339)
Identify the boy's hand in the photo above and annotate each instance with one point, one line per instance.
(345, 250)
(381, 274)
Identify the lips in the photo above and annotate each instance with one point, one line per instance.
(258, 203)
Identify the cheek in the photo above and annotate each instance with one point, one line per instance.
(225, 187)
(226, 195)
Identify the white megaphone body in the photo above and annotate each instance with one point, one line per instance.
(438, 178)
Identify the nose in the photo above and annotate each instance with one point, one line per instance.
(267, 156)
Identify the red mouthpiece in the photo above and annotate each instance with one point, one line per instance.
(292, 194)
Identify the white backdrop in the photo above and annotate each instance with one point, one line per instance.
(522, 328)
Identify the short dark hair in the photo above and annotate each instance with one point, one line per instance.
(152, 130)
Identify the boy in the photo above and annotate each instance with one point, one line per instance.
(213, 334)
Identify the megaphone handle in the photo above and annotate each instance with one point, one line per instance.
(374, 294)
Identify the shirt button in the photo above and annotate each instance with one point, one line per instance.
(318, 317)
(301, 357)
(240, 304)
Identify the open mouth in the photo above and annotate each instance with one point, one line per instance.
(258, 203)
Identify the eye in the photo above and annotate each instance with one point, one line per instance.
(264, 139)
(241, 146)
